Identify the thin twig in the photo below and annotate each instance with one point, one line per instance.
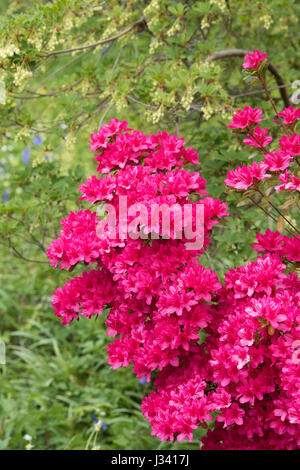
(149, 106)
(108, 108)
(257, 92)
(98, 43)
(45, 95)
(279, 212)
(60, 69)
(38, 243)
(19, 255)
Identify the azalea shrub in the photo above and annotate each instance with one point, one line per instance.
(220, 355)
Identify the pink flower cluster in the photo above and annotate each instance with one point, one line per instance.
(290, 144)
(274, 242)
(244, 372)
(275, 161)
(290, 182)
(259, 138)
(253, 60)
(245, 118)
(156, 291)
(244, 177)
(254, 356)
(290, 115)
(223, 356)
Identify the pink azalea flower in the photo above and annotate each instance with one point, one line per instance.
(259, 138)
(277, 160)
(253, 60)
(290, 182)
(245, 117)
(290, 145)
(232, 415)
(270, 241)
(290, 115)
(245, 176)
(291, 248)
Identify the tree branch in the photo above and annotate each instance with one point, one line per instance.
(258, 92)
(17, 254)
(35, 95)
(98, 43)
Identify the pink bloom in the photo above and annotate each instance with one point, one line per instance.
(100, 139)
(175, 301)
(245, 117)
(270, 241)
(268, 308)
(291, 248)
(240, 178)
(245, 176)
(290, 182)
(290, 145)
(97, 189)
(259, 138)
(290, 115)
(240, 356)
(231, 415)
(294, 415)
(277, 161)
(253, 60)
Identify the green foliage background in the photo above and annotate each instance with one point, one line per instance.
(146, 62)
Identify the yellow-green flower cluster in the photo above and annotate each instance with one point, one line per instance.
(9, 50)
(266, 20)
(219, 3)
(155, 116)
(174, 28)
(187, 98)
(21, 76)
